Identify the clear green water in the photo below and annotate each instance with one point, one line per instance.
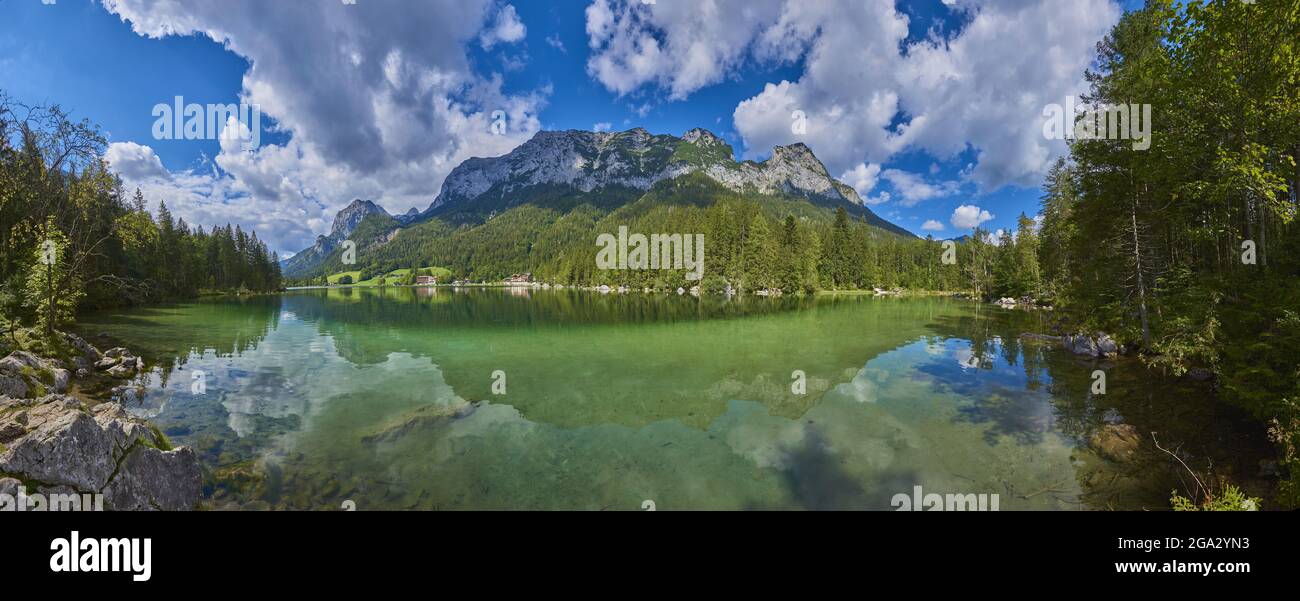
(385, 398)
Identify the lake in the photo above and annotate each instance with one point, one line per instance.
(405, 398)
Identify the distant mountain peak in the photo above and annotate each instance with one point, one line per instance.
(636, 159)
(702, 137)
(351, 216)
(555, 163)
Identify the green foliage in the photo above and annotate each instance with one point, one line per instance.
(52, 289)
(59, 198)
(1230, 499)
(752, 241)
(1148, 245)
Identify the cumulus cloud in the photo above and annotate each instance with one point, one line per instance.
(134, 162)
(868, 93)
(863, 178)
(914, 189)
(968, 217)
(506, 28)
(378, 100)
(680, 46)
(932, 225)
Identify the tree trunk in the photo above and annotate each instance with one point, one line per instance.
(1141, 284)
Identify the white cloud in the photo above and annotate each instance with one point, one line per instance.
(378, 103)
(680, 46)
(867, 92)
(914, 189)
(134, 162)
(506, 28)
(555, 42)
(863, 178)
(931, 225)
(968, 217)
(602, 126)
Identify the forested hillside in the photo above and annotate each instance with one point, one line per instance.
(1188, 250)
(72, 239)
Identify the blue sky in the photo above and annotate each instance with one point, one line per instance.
(925, 107)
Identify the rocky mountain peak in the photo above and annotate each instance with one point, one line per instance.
(702, 137)
(351, 216)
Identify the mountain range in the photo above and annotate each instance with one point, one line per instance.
(594, 173)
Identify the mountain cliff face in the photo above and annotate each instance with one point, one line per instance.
(587, 161)
(615, 167)
(345, 222)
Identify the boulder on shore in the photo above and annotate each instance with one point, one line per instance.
(1100, 346)
(61, 445)
(23, 374)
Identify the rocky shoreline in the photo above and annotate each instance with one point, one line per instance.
(55, 442)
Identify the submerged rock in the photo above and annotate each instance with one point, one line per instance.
(418, 418)
(62, 445)
(1116, 442)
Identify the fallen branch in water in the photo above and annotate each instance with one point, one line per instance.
(1199, 484)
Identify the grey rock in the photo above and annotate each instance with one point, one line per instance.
(1081, 344)
(13, 386)
(87, 351)
(104, 450)
(11, 431)
(1087, 346)
(61, 379)
(1106, 347)
(122, 370)
(20, 359)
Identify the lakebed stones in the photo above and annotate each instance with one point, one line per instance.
(63, 445)
(1116, 442)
